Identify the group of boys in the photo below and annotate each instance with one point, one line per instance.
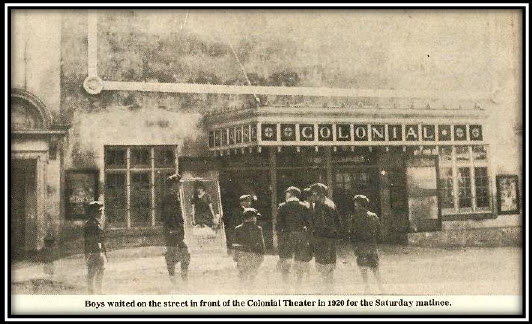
(307, 226)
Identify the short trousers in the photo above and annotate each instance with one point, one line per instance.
(324, 250)
(366, 256)
(96, 261)
(176, 254)
(295, 245)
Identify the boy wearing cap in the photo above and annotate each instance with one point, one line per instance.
(248, 245)
(325, 224)
(174, 232)
(291, 226)
(364, 232)
(236, 218)
(95, 253)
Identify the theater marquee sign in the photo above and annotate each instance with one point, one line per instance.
(327, 134)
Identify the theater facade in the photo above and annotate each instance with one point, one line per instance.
(419, 167)
(81, 129)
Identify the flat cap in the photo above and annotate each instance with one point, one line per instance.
(175, 177)
(93, 207)
(245, 197)
(293, 190)
(251, 212)
(319, 188)
(95, 203)
(362, 200)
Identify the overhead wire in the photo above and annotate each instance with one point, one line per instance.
(242, 68)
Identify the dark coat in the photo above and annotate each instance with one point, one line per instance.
(171, 211)
(325, 221)
(364, 227)
(292, 216)
(94, 236)
(173, 223)
(248, 238)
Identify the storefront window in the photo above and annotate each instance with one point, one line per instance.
(468, 190)
(343, 181)
(462, 153)
(479, 153)
(135, 180)
(362, 180)
(482, 187)
(464, 188)
(446, 187)
(446, 154)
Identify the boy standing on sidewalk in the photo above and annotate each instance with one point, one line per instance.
(174, 231)
(365, 232)
(95, 252)
(248, 245)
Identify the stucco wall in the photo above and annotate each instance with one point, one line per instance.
(118, 118)
(36, 68)
(36, 55)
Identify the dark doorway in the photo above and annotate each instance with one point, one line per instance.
(351, 181)
(397, 226)
(23, 202)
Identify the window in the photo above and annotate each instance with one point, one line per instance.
(115, 158)
(343, 181)
(464, 179)
(361, 180)
(482, 187)
(462, 153)
(479, 153)
(446, 154)
(115, 199)
(140, 157)
(162, 186)
(140, 205)
(135, 180)
(464, 188)
(164, 157)
(446, 185)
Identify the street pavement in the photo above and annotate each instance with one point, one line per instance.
(405, 271)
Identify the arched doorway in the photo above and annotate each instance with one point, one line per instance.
(34, 141)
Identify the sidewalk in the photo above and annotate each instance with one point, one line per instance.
(405, 270)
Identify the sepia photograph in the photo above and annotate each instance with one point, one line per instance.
(350, 161)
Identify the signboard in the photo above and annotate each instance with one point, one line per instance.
(81, 188)
(508, 194)
(342, 134)
(203, 229)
